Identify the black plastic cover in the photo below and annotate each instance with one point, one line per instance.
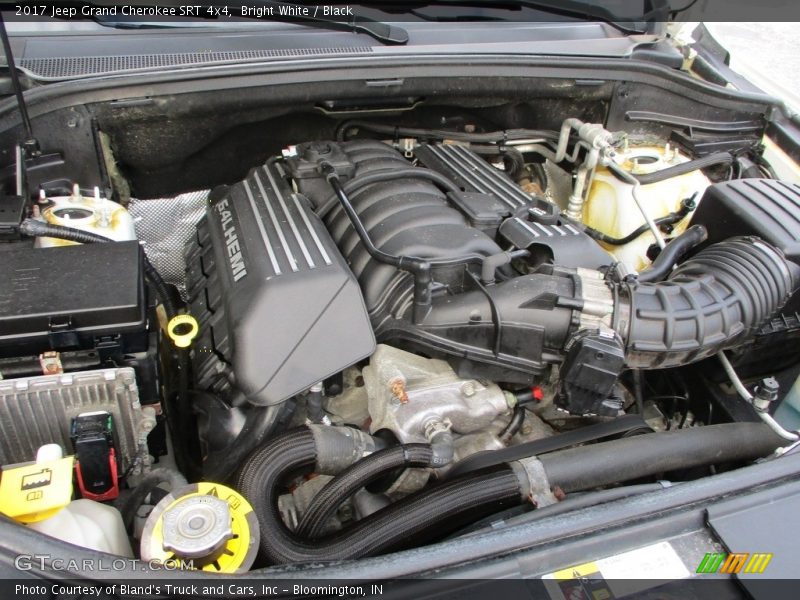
(561, 243)
(767, 208)
(589, 373)
(69, 297)
(278, 307)
(484, 211)
(472, 173)
(12, 212)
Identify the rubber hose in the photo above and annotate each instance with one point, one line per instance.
(510, 430)
(709, 303)
(354, 185)
(673, 252)
(259, 424)
(35, 228)
(442, 448)
(522, 514)
(130, 503)
(488, 137)
(589, 467)
(418, 518)
(352, 479)
(670, 219)
(718, 158)
(516, 162)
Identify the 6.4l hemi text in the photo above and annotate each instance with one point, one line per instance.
(232, 247)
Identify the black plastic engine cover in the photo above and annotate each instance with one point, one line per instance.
(278, 307)
(507, 332)
(408, 216)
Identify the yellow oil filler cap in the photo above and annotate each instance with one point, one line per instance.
(36, 491)
(182, 329)
(205, 526)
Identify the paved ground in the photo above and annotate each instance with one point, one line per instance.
(767, 53)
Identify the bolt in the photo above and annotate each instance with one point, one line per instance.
(398, 387)
(766, 393)
(468, 389)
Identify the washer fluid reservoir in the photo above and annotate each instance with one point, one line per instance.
(611, 209)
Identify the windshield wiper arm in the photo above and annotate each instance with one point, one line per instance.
(284, 12)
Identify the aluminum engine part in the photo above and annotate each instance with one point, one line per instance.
(407, 393)
(349, 407)
(473, 443)
(38, 410)
(164, 226)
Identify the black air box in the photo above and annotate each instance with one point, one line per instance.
(279, 309)
(72, 297)
(767, 208)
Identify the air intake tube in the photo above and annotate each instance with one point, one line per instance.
(709, 303)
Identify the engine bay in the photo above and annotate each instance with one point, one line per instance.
(387, 335)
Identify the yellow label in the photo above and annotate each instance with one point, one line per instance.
(583, 570)
(36, 491)
(239, 551)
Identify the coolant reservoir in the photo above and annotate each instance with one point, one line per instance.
(38, 494)
(88, 524)
(611, 209)
(788, 413)
(87, 213)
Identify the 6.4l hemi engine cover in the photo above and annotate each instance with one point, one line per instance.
(278, 307)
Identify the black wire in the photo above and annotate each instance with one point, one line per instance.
(677, 11)
(414, 132)
(637, 391)
(12, 68)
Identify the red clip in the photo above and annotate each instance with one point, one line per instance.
(111, 492)
(537, 392)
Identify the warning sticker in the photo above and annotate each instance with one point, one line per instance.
(36, 491)
(598, 580)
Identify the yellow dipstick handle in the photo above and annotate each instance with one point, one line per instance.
(182, 329)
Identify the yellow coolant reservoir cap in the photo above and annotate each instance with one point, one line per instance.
(36, 491)
(182, 329)
(204, 526)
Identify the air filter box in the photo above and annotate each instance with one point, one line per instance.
(767, 208)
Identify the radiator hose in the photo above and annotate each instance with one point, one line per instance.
(447, 506)
(352, 479)
(438, 510)
(588, 467)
